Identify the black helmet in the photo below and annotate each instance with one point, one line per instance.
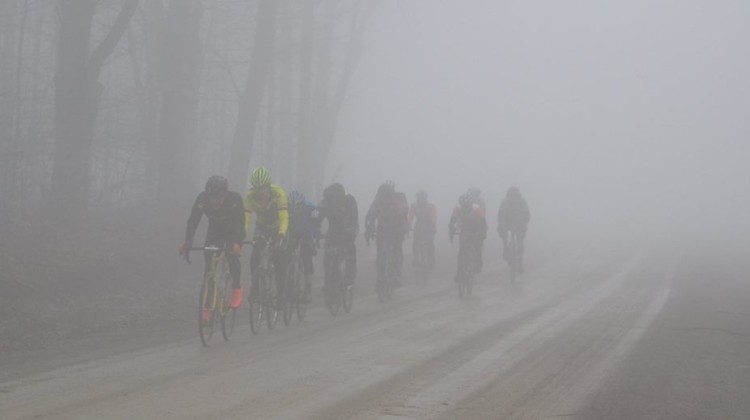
(217, 184)
(334, 191)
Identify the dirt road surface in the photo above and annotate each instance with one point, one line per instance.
(591, 334)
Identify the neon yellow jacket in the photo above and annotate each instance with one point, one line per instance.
(275, 215)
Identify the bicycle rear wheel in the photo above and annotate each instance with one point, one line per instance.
(347, 299)
(513, 261)
(333, 299)
(206, 318)
(299, 302)
(255, 303)
(289, 297)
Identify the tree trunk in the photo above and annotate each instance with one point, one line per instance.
(181, 58)
(77, 93)
(305, 145)
(252, 97)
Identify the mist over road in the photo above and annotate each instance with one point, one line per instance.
(588, 333)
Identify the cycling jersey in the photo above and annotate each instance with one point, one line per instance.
(423, 218)
(469, 222)
(271, 218)
(224, 223)
(513, 215)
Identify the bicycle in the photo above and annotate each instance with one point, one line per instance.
(292, 297)
(338, 294)
(422, 256)
(263, 302)
(468, 264)
(385, 267)
(215, 296)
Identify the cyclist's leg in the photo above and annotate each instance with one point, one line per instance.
(480, 247)
(255, 256)
(415, 249)
(431, 251)
(350, 260)
(280, 262)
(399, 255)
(307, 249)
(520, 236)
(381, 249)
(461, 257)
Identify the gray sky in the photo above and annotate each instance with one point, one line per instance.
(630, 113)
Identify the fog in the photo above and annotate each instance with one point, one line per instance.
(620, 118)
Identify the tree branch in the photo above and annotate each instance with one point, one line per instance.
(108, 44)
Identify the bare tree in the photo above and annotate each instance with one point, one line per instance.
(77, 99)
(323, 88)
(179, 79)
(251, 98)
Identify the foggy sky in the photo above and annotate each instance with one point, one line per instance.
(616, 116)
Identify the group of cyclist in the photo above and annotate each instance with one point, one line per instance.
(291, 223)
(469, 222)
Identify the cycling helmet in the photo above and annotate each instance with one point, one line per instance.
(334, 191)
(513, 192)
(295, 198)
(217, 184)
(421, 195)
(465, 200)
(260, 177)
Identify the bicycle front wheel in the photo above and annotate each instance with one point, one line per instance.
(289, 297)
(299, 301)
(271, 303)
(227, 314)
(256, 311)
(347, 298)
(206, 313)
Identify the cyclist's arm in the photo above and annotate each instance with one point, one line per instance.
(355, 216)
(238, 219)
(453, 221)
(248, 212)
(195, 218)
(283, 212)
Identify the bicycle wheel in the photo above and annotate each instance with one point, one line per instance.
(289, 296)
(255, 303)
(227, 314)
(271, 303)
(347, 299)
(206, 314)
(299, 302)
(332, 297)
(512, 261)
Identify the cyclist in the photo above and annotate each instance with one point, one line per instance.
(226, 228)
(340, 209)
(475, 194)
(514, 217)
(423, 222)
(303, 233)
(468, 220)
(387, 222)
(268, 202)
